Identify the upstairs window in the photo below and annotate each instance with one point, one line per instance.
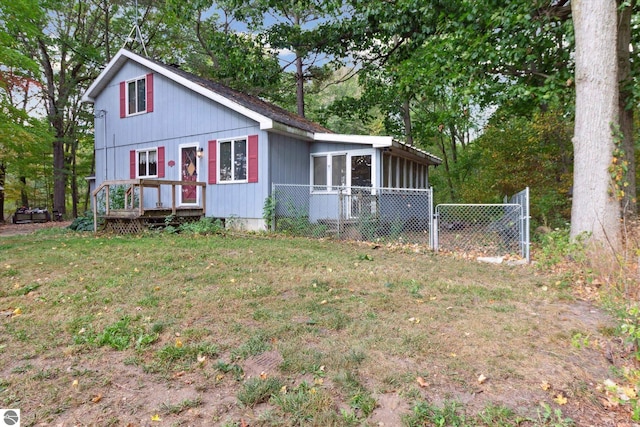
(136, 96)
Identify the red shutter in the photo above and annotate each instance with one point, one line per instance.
(212, 161)
(149, 93)
(123, 100)
(132, 164)
(253, 158)
(160, 162)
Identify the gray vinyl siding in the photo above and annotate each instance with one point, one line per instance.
(289, 160)
(180, 116)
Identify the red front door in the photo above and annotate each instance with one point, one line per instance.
(189, 193)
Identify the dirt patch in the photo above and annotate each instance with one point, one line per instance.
(10, 229)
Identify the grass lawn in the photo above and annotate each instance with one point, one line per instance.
(174, 330)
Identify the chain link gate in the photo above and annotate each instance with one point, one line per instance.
(386, 215)
(484, 229)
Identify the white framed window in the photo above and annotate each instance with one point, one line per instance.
(232, 160)
(147, 163)
(329, 171)
(136, 96)
(332, 170)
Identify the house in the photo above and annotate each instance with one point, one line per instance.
(156, 121)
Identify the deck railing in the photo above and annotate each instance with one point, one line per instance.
(134, 194)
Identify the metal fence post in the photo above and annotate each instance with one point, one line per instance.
(435, 230)
(340, 210)
(274, 204)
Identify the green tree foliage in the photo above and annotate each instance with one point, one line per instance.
(24, 138)
(294, 28)
(213, 47)
(515, 152)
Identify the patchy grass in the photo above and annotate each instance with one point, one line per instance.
(224, 329)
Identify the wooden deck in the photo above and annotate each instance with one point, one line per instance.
(134, 217)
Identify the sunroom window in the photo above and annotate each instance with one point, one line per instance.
(329, 171)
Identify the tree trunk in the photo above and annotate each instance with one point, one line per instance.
(443, 148)
(406, 116)
(3, 175)
(595, 208)
(24, 197)
(74, 179)
(59, 177)
(454, 144)
(299, 85)
(626, 113)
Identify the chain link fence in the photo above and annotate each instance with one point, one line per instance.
(354, 213)
(405, 216)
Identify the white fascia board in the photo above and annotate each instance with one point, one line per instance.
(374, 141)
(107, 74)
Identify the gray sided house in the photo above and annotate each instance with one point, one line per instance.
(157, 122)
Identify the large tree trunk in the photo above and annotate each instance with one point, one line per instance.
(59, 177)
(595, 208)
(626, 112)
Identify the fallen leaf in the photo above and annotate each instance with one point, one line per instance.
(629, 392)
(17, 311)
(545, 386)
(201, 359)
(324, 301)
(97, 398)
(560, 399)
(422, 382)
(178, 374)
(283, 389)
(156, 417)
(481, 379)
(219, 377)
(318, 381)
(263, 375)
(178, 343)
